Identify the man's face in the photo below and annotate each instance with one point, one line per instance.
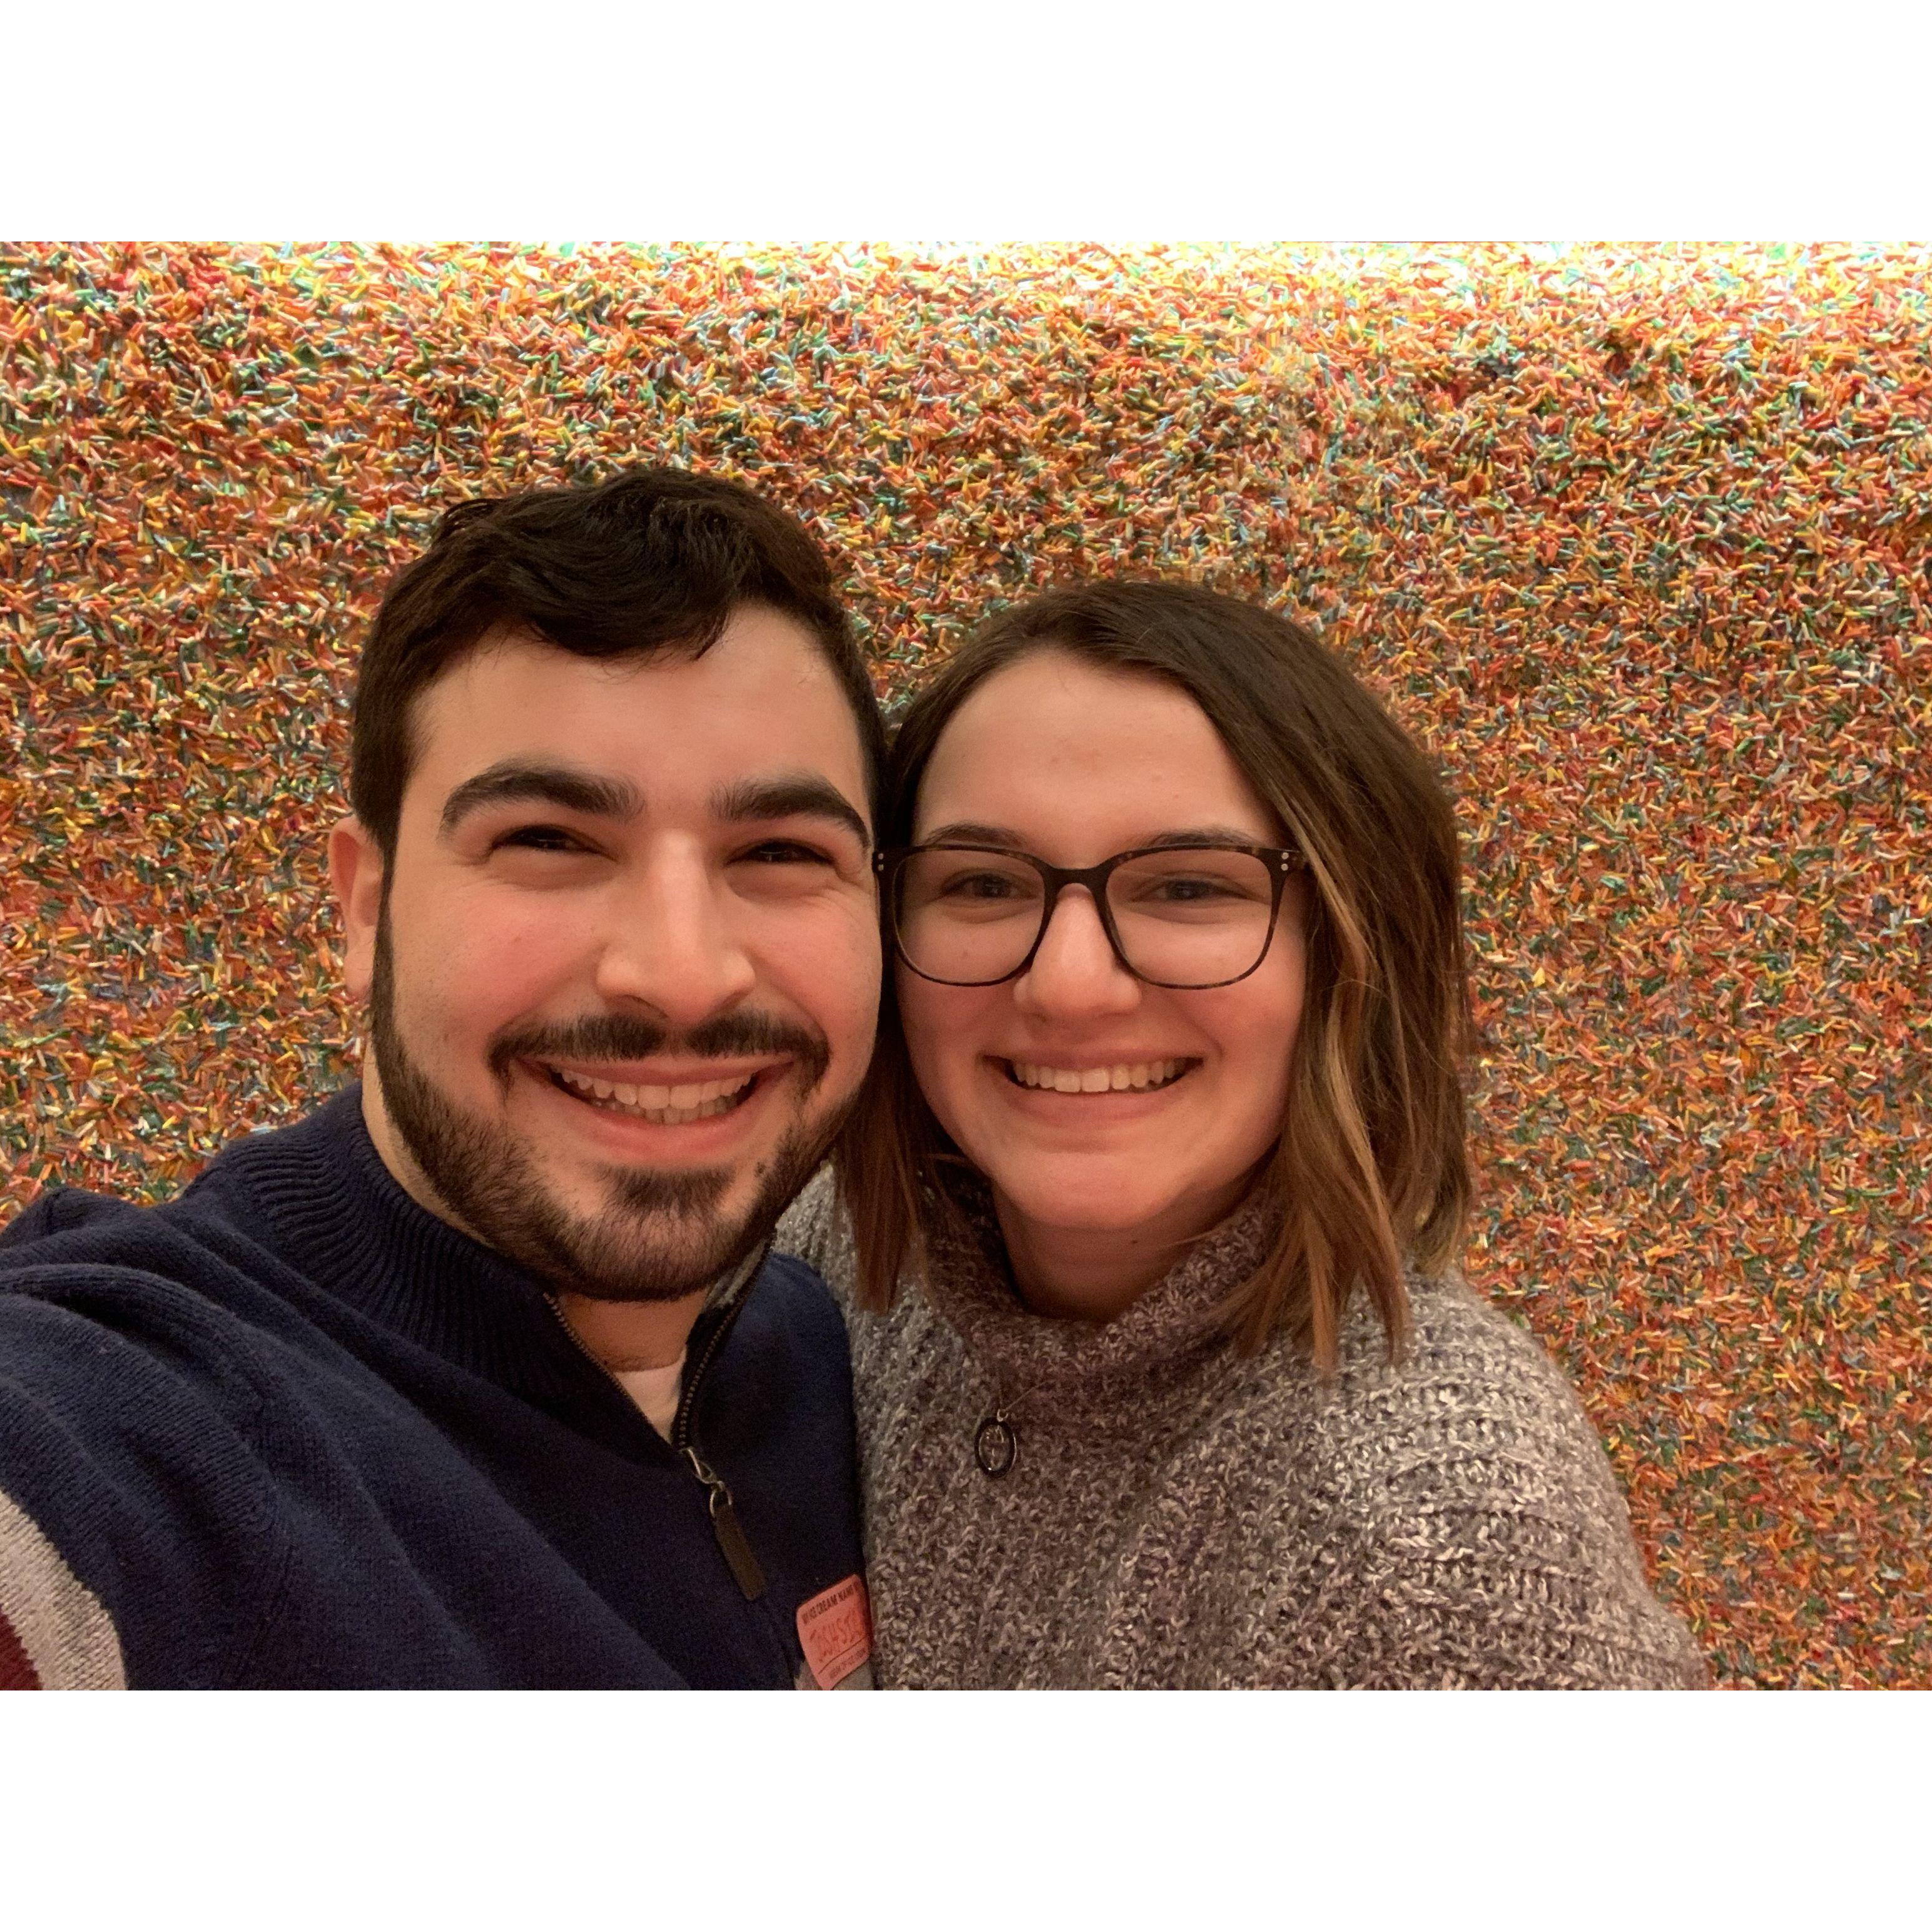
(623, 973)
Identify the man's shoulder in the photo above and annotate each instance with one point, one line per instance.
(791, 1294)
(58, 1211)
(215, 1220)
(793, 1277)
(67, 1230)
(177, 1298)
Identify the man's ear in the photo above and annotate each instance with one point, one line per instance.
(356, 870)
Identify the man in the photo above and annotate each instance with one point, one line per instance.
(479, 1374)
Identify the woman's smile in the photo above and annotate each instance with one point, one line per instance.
(1122, 1075)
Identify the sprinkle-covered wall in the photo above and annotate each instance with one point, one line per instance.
(1637, 540)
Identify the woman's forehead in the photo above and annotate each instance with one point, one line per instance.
(1055, 748)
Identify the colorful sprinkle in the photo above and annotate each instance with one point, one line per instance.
(1638, 539)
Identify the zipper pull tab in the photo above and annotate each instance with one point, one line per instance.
(730, 1532)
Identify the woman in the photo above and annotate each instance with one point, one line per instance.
(1150, 1216)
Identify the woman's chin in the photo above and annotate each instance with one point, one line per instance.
(1087, 1197)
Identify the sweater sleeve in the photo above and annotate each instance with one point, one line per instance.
(136, 1522)
(55, 1633)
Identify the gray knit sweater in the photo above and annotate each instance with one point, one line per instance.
(1179, 1516)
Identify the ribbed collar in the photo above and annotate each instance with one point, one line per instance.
(1032, 1358)
(321, 1197)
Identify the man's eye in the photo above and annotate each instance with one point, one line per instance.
(783, 852)
(538, 838)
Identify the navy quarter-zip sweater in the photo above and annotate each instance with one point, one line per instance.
(290, 1429)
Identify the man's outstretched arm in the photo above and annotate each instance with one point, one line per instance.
(55, 1633)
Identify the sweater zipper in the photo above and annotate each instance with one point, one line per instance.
(724, 1524)
(732, 1544)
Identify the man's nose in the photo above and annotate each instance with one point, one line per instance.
(1075, 974)
(671, 945)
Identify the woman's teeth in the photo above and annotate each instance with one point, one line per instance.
(1116, 1079)
(663, 1106)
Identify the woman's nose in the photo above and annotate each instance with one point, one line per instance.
(1075, 973)
(672, 945)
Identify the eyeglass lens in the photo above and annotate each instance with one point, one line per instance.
(1196, 916)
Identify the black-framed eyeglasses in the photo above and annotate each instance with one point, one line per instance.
(1187, 917)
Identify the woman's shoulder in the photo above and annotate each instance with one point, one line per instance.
(1460, 1341)
(1471, 1417)
(1471, 1398)
(1465, 1492)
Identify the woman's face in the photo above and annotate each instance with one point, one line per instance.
(1073, 762)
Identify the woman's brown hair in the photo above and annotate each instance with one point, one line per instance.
(1371, 1169)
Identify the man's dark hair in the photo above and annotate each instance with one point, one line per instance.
(651, 560)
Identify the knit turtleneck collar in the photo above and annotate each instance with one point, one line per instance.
(1029, 1356)
(320, 1197)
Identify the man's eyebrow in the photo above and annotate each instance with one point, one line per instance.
(792, 795)
(512, 779)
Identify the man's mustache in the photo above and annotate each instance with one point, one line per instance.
(629, 1036)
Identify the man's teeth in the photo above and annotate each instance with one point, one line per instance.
(1100, 1079)
(664, 1106)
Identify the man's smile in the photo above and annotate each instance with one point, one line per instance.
(665, 1093)
(697, 1102)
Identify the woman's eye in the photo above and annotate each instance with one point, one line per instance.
(979, 886)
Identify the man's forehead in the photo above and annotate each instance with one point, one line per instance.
(759, 702)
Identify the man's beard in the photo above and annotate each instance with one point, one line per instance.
(661, 1236)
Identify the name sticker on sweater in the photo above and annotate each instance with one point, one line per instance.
(834, 1629)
